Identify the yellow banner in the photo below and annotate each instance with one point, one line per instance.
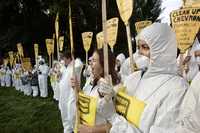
(125, 9)
(186, 23)
(112, 29)
(141, 25)
(99, 38)
(87, 39)
(129, 107)
(61, 42)
(87, 108)
(26, 63)
(49, 45)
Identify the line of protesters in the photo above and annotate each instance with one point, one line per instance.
(164, 101)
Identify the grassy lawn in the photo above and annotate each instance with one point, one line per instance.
(24, 114)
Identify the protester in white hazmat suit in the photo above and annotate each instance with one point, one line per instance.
(88, 71)
(17, 77)
(54, 78)
(67, 103)
(160, 90)
(26, 85)
(98, 88)
(189, 119)
(8, 77)
(43, 70)
(192, 62)
(119, 61)
(3, 74)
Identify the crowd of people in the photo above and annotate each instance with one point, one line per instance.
(157, 97)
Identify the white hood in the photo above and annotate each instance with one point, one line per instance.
(121, 57)
(163, 49)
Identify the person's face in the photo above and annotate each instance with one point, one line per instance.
(67, 61)
(97, 70)
(117, 62)
(143, 48)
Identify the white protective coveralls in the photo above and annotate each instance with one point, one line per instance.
(189, 119)
(3, 74)
(42, 78)
(27, 86)
(87, 72)
(17, 75)
(8, 77)
(54, 78)
(67, 100)
(121, 58)
(193, 63)
(160, 88)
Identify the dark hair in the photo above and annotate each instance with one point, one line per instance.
(66, 54)
(111, 65)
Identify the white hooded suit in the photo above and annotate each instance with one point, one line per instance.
(160, 88)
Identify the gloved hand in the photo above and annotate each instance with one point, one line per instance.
(106, 108)
(105, 89)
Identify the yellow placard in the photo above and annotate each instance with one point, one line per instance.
(99, 38)
(112, 29)
(87, 39)
(192, 3)
(26, 63)
(11, 57)
(61, 42)
(186, 23)
(49, 45)
(5, 62)
(129, 107)
(125, 8)
(141, 25)
(87, 109)
(20, 49)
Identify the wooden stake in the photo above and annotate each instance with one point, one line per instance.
(105, 46)
(130, 50)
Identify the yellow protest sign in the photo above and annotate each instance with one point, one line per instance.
(186, 23)
(192, 3)
(61, 42)
(99, 38)
(5, 62)
(129, 107)
(49, 45)
(20, 49)
(87, 39)
(112, 29)
(26, 63)
(125, 9)
(87, 109)
(141, 25)
(11, 57)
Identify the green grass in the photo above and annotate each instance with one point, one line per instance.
(25, 114)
